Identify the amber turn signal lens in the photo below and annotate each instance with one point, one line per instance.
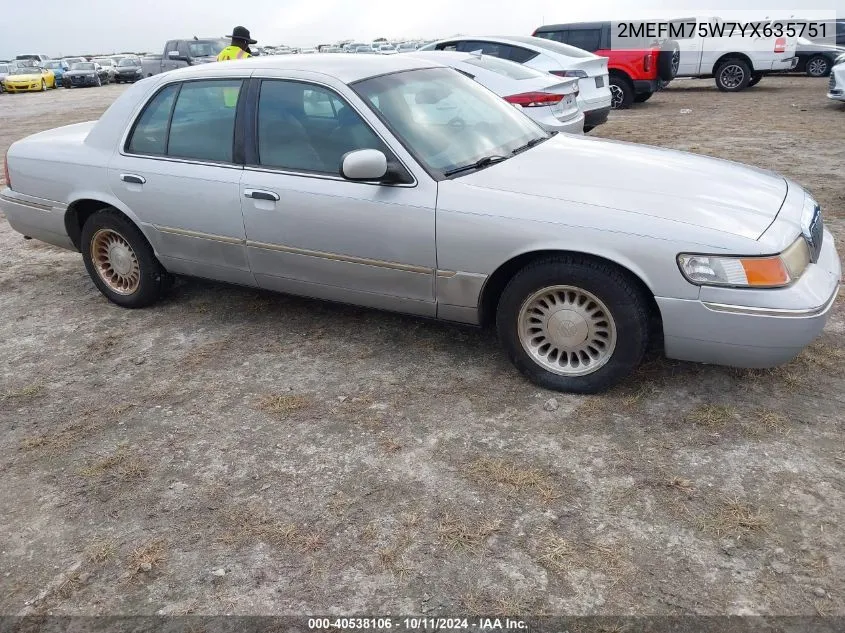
(765, 271)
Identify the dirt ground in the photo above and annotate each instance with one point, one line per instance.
(233, 451)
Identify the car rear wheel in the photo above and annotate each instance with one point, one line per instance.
(818, 66)
(121, 262)
(733, 75)
(573, 324)
(642, 97)
(621, 92)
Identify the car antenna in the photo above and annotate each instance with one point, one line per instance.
(196, 39)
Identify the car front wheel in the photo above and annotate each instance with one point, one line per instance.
(121, 262)
(573, 324)
(818, 66)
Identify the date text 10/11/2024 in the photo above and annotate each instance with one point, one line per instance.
(417, 624)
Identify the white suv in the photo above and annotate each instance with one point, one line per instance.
(551, 57)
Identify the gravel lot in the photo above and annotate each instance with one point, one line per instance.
(233, 451)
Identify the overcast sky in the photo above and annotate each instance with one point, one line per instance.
(59, 27)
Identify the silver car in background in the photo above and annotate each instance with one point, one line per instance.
(550, 101)
(333, 180)
(594, 98)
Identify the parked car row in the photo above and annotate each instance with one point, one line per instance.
(29, 73)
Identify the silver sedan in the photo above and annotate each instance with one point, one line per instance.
(396, 183)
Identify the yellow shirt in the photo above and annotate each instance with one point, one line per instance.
(232, 52)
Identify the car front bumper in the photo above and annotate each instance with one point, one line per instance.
(738, 335)
(23, 86)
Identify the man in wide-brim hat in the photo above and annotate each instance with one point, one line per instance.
(239, 49)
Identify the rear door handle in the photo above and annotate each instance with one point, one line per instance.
(256, 194)
(135, 180)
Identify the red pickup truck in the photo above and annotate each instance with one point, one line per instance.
(635, 73)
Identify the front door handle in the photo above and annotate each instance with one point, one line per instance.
(256, 194)
(135, 180)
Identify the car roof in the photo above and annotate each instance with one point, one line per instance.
(346, 68)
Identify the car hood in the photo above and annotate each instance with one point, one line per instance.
(660, 183)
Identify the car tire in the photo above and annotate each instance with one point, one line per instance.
(642, 97)
(733, 75)
(756, 78)
(818, 66)
(43, 85)
(621, 92)
(570, 296)
(121, 262)
(99, 81)
(668, 60)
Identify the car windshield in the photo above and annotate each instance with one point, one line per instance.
(128, 62)
(206, 48)
(447, 120)
(25, 70)
(83, 66)
(504, 67)
(52, 65)
(4, 68)
(104, 62)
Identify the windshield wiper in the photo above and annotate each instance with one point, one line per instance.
(532, 143)
(481, 163)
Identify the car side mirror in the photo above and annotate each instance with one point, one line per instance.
(364, 164)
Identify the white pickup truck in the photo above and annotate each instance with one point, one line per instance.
(715, 48)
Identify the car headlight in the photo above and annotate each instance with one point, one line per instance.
(774, 271)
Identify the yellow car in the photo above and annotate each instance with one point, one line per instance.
(29, 79)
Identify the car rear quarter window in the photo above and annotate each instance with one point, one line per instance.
(305, 127)
(203, 121)
(150, 133)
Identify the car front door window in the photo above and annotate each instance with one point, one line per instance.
(304, 127)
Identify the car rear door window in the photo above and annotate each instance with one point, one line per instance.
(305, 127)
(150, 133)
(585, 39)
(203, 121)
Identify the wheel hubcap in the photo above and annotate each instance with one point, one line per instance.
(676, 62)
(115, 262)
(817, 67)
(732, 76)
(617, 96)
(567, 330)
